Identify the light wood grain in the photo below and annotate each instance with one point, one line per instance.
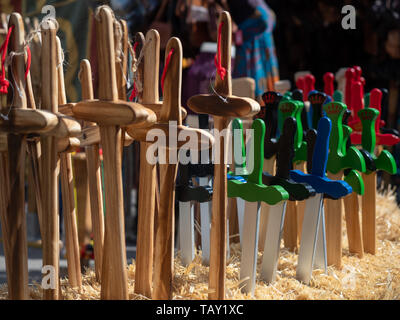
(369, 213)
(164, 238)
(71, 231)
(82, 199)
(333, 225)
(93, 167)
(67, 189)
(24, 120)
(353, 225)
(149, 75)
(114, 275)
(50, 161)
(14, 227)
(164, 245)
(290, 227)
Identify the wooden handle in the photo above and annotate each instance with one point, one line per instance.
(151, 67)
(224, 87)
(49, 67)
(173, 83)
(106, 54)
(85, 78)
(18, 61)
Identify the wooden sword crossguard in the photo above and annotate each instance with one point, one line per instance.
(111, 113)
(222, 105)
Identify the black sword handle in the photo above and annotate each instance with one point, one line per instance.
(285, 154)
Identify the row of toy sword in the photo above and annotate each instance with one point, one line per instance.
(49, 137)
(108, 122)
(313, 239)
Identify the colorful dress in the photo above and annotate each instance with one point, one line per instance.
(256, 56)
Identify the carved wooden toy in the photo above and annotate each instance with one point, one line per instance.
(222, 106)
(18, 123)
(312, 251)
(339, 159)
(58, 140)
(170, 116)
(253, 191)
(384, 161)
(93, 165)
(148, 75)
(110, 114)
(67, 189)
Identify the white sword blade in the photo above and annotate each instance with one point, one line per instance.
(186, 232)
(205, 224)
(240, 204)
(273, 238)
(320, 260)
(248, 262)
(309, 238)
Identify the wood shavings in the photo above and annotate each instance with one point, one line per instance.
(371, 278)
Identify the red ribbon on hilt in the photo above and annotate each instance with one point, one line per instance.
(217, 59)
(166, 68)
(4, 83)
(134, 90)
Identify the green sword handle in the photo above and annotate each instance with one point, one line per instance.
(385, 161)
(239, 150)
(292, 108)
(341, 158)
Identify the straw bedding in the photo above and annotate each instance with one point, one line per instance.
(373, 277)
